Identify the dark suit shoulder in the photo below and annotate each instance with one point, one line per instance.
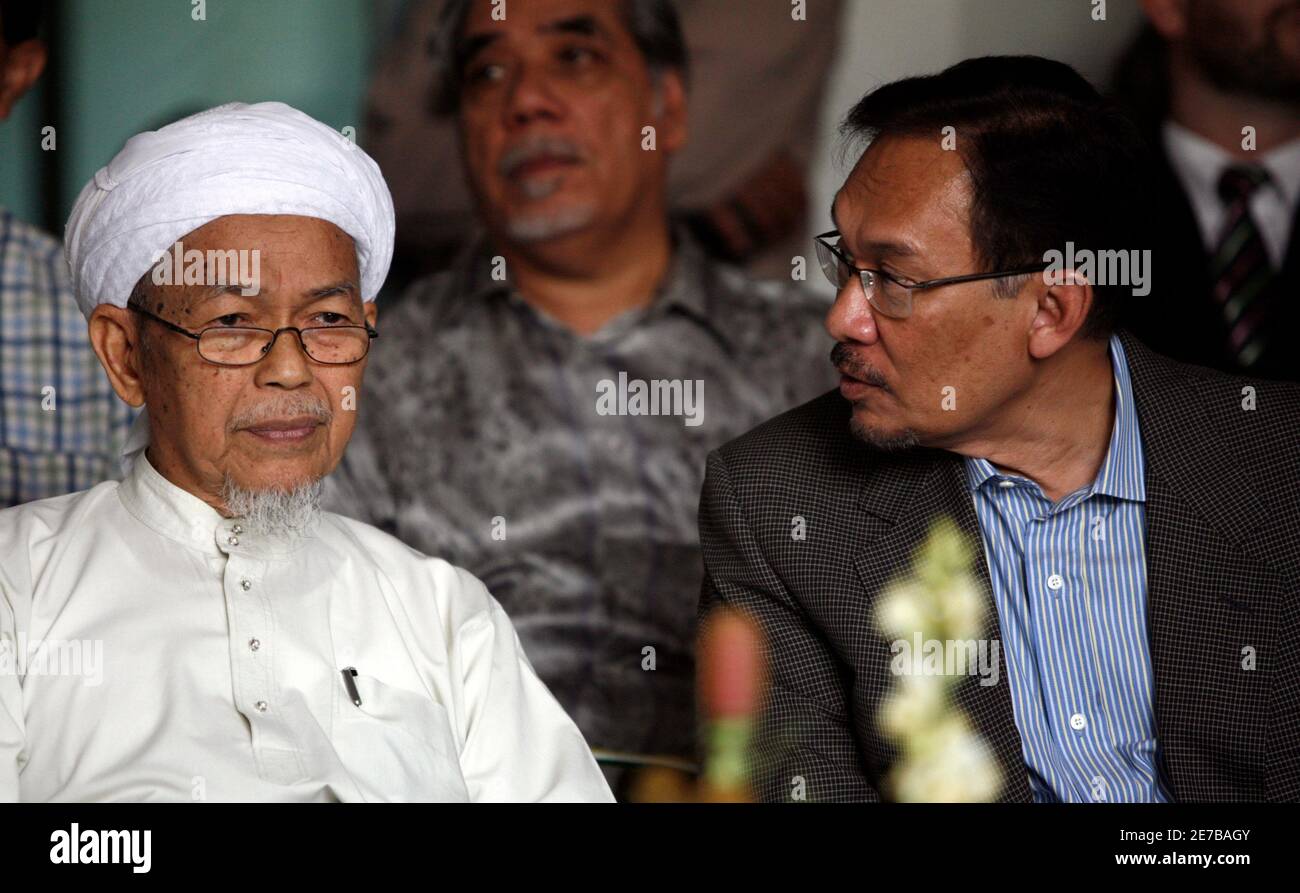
(1229, 443)
(1257, 425)
(1250, 416)
(804, 463)
(805, 436)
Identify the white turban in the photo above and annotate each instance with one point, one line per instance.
(266, 158)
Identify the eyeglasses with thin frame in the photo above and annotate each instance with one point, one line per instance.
(884, 292)
(246, 345)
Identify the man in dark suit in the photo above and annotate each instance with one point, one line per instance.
(1215, 85)
(1136, 519)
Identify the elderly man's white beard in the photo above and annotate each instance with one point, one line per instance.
(273, 511)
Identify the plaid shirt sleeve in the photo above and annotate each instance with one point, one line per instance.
(61, 425)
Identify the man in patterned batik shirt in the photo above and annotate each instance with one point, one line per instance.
(541, 412)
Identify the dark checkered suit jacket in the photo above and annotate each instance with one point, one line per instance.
(1223, 574)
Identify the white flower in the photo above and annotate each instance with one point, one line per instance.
(904, 609)
(942, 758)
(961, 609)
(952, 765)
(916, 705)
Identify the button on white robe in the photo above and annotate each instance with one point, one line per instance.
(151, 649)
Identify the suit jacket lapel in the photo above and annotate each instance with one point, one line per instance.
(901, 498)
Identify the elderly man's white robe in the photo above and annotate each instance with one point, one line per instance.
(151, 649)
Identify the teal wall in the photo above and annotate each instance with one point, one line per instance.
(132, 65)
(20, 137)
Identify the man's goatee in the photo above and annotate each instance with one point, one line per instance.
(273, 511)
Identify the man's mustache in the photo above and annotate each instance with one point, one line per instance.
(539, 146)
(288, 406)
(843, 359)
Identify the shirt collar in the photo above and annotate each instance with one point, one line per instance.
(1200, 162)
(184, 518)
(686, 287)
(1121, 474)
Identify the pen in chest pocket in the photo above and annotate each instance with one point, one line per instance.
(349, 682)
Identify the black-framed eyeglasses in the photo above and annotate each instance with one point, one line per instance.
(885, 293)
(246, 345)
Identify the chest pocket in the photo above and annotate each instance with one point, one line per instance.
(398, 745)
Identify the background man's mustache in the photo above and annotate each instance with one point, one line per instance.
(537, 147)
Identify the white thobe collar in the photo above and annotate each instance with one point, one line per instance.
(181, 516)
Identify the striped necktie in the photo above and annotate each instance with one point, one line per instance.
(1242, 273)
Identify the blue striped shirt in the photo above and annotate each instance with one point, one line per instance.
(61, 425)
(1070, 585)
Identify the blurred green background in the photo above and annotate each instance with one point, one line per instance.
(121, 66)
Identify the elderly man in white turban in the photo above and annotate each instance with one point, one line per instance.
(203, 631)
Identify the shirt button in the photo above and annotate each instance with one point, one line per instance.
(233, 540)
(236, 529)
(1054, 582)
(1078, 722)
(1006, 485)
(245, 584)
(253, 645)
(261, 706)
